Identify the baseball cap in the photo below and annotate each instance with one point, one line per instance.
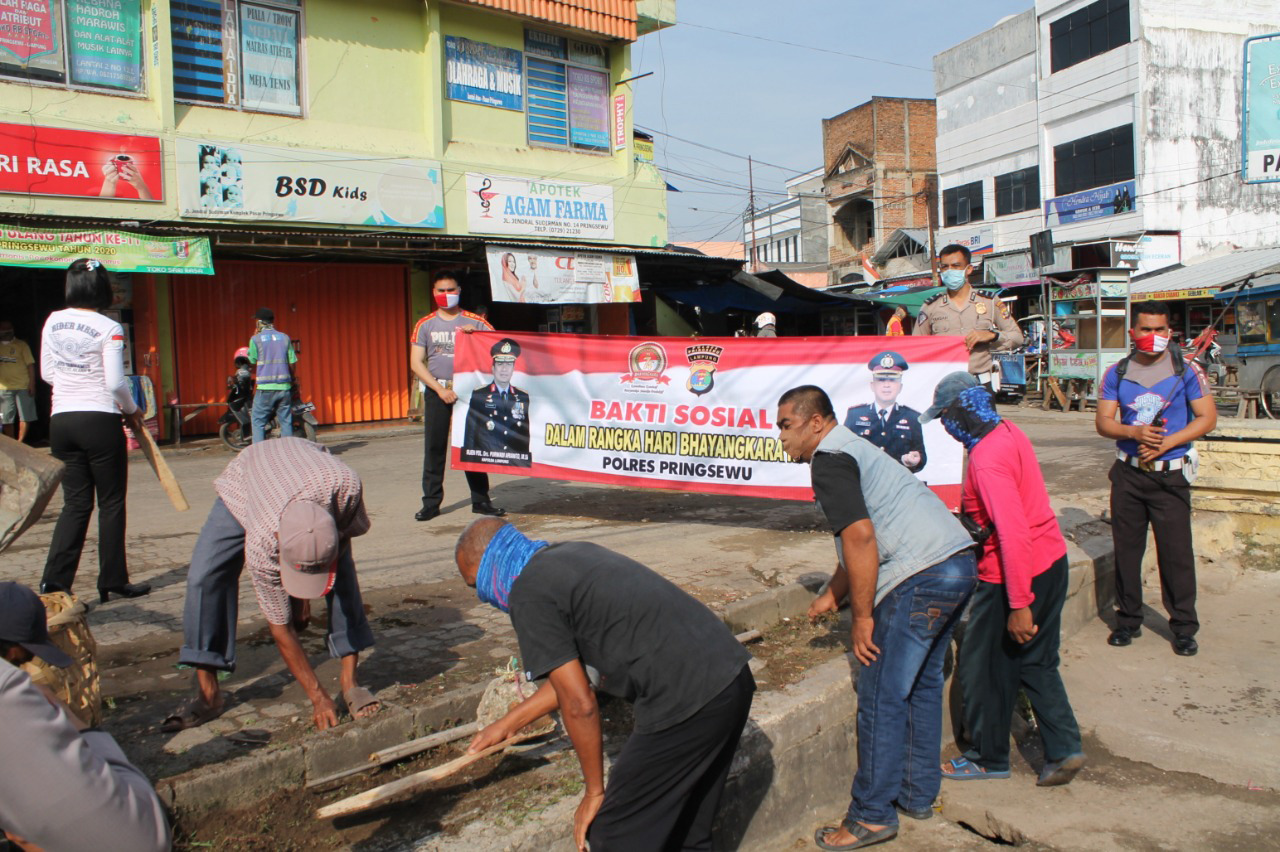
(265, 315)
(308, 549)
(764, 319)
(951, 386)
(22, 621)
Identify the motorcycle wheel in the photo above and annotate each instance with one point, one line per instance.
(233, 436)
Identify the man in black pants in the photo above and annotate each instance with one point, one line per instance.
(1162, 406)
(431, 360)
(587, 616)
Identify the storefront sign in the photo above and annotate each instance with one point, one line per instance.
(106, 43)
(619, 122)
(692, 415)
(1081, 365)
(561, 277)
(253, 182)
(1261, 105)
(1010, 270)
(979, 241)
(497, 204)
(484, 74)
(118, 251)
(53, 161)
(588, 107)
(1082, 288)
(1173, 295)
(269, 46)
(1092, 204)
(1158, 251)
(644, 150)
(30, 35)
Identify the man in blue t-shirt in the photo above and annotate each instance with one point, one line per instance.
(1154, 405)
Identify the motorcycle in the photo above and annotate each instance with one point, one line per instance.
(236, 426)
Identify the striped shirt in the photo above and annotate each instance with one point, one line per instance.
(265, 478)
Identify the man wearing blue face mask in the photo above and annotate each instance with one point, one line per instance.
(982, 320)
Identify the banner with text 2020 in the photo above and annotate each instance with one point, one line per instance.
(689, 414)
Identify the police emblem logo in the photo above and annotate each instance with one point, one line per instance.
(887, 360)
(703, 360)
(648, 362)
(981, 308)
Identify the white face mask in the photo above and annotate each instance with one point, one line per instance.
(953, 279)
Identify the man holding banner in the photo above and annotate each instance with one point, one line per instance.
(901, 553)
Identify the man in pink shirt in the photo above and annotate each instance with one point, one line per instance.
(1014, 627)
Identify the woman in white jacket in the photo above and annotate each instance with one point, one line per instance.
(82, 357)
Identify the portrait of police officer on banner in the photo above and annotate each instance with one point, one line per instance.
(892, 427)
(497, 430)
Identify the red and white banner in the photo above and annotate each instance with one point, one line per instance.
(53, 161)
(679, 413)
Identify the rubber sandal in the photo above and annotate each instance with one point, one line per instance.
(864, 835)
(249, 736)
(358, 699)
(191, 713)
(967, 770)
(1059, 772)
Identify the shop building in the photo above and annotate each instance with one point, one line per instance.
(331, 156)
(1116, 125)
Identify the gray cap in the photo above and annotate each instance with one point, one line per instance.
(951, 386)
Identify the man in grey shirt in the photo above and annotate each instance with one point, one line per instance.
(66, 787)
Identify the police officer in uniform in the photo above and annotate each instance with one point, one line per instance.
(498, 414)
(983, 321)
(891, 427)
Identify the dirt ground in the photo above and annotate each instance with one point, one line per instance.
(509, 788)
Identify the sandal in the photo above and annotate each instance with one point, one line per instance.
(191, 713)
(358, 700)
(864, 836)
(967, 770)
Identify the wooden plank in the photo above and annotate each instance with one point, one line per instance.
(391, 755)
(167, 480)
(387, 792)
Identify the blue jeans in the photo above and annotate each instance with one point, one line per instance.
(266, 402)
(900, 694)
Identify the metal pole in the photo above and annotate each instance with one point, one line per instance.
(931, 200)
(751, 212)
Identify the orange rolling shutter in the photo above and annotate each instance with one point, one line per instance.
(351, 318)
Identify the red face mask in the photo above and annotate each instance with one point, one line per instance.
(1152, 343)
(446, 300)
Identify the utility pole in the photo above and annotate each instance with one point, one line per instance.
(751, 213)
(931, 201)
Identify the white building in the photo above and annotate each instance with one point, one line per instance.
(1102, 120)
(792, 231)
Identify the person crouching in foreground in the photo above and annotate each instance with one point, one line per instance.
(584, 614)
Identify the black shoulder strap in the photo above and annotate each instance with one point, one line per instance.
(1179, 365)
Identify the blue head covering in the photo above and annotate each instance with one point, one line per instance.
(504, 558)
(971, 417)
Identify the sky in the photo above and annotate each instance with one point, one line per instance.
(723, 79)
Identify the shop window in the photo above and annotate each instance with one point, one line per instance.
(568, 94)
(1098, 160)
(76, 43)
(962, 204)
(1251, 321)
(238, 54)
(1088, 32)
(1273, 320)
(1018, 191)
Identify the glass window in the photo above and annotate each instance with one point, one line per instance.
(962, 204)
(74, 42)
(1252, 326)
(1098, 160)
(1088, 32)
(1018, 191)
(1273, 320)
(238, 53)
(568, 98)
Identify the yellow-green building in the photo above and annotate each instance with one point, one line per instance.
(333, 154)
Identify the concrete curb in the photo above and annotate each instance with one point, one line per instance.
(800, 737)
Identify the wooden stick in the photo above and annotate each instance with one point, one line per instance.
(167, 480)
(390, 755)
(412, 783)
(748, 636)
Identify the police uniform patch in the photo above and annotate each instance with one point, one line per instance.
(981, 308)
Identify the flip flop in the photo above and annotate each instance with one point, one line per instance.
(967, 770)
(358, 699)
(864, 835)
(250, 736)
(191, 713)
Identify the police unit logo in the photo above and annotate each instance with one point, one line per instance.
(703, 360)
(648, 362)
(887, 361)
